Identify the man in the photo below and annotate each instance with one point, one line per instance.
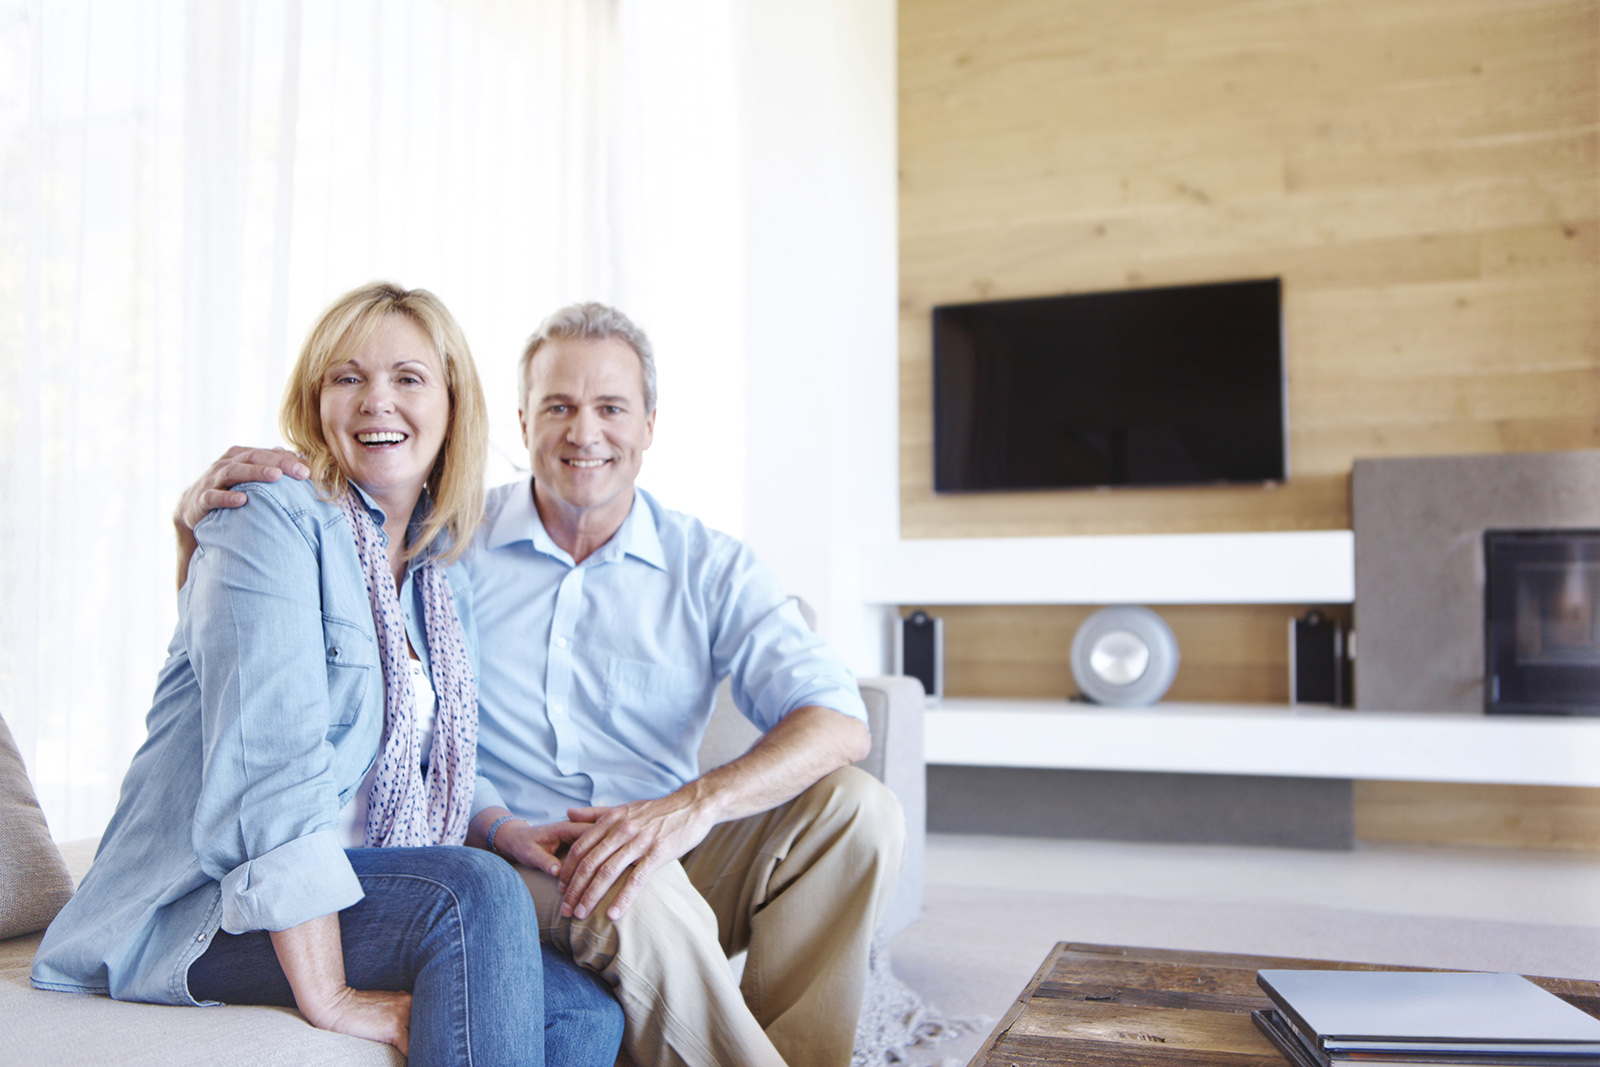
(605, 623)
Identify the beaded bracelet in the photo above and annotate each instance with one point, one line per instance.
(494, 828)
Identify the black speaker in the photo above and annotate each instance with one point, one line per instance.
(1317, 664)
(919, 651)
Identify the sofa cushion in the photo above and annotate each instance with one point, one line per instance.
(47, 1029)
(34, 883)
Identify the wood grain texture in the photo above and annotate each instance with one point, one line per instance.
(1512, 816)
(1117, 1006)
(1423, 174)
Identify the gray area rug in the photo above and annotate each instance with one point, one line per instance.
(897, 1023)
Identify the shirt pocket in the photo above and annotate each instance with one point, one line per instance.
(654, 707)
(352, 667)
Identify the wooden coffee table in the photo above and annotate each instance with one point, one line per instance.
(1114, 1006)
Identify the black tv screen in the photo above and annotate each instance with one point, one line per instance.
(1147, 387)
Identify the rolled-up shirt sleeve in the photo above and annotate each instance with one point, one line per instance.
(264, 823)
(778, 664)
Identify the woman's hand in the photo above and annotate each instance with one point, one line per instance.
(536, 847)
(368, 1013)
(312, 958)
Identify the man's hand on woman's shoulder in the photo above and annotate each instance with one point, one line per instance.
(214, 489)
(236, 466)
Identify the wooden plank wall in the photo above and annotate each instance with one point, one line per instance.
(1423, 174)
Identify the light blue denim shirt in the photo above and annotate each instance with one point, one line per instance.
(599, 678)
(267, 714)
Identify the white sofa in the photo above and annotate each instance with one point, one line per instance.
(47, 1029)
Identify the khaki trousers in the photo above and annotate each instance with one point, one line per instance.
(800, 888)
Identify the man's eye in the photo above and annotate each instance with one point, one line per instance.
(557, 409)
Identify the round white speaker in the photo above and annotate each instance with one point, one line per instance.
(1125, 657)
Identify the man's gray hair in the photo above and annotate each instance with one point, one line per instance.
(593, 322)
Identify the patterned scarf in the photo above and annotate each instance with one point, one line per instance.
(403, 809)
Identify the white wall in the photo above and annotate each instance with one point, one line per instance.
(818, 155)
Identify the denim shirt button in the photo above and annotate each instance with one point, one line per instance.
(333, 653)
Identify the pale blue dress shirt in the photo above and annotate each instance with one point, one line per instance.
(599, 677)
(267, 714)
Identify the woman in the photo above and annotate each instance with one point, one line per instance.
(318, 697)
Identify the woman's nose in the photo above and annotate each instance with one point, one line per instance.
(376, 399)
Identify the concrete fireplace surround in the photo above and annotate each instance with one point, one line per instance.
(1419, 526)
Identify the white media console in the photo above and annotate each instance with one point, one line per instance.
(1264, 739)
(1313, 567)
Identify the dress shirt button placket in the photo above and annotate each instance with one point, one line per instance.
(558, 677)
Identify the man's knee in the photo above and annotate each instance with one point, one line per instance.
(864, 807)
(666, 910)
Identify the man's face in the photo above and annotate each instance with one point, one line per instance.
(584, 422)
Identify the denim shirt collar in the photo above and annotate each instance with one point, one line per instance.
(638, 536)
(419, 517)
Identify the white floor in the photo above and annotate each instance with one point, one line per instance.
(995, 906)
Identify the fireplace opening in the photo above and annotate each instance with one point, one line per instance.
(1542, 622)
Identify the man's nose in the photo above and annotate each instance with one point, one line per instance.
(584, 428)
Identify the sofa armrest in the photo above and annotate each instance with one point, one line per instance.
(895, 706)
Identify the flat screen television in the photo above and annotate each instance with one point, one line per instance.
(1182, 385)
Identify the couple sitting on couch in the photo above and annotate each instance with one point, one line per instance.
(285, 834)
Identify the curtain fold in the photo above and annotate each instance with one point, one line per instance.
(185, 186)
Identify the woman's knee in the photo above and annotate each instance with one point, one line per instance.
(476, 883)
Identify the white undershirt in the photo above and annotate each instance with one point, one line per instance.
(352, 826)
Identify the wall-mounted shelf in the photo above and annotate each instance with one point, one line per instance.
(1262, 739)
(1298, 567)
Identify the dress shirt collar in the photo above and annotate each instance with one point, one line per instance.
(638, 536)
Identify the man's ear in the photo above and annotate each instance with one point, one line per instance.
(522, 419)
(649, 429)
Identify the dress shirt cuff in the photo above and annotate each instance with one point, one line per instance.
(485, 795)
(294, 883)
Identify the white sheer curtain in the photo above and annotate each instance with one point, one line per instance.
(186, 185)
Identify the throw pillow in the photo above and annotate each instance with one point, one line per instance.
(34, 882)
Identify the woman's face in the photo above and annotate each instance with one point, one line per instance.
(386, 410)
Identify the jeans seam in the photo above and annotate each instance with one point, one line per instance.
(461, 947)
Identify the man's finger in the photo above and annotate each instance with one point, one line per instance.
(594, 878)
(198, 505)
(631, 884)
(279, 459)
(589, 836)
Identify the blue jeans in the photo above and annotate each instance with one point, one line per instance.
(455, 927)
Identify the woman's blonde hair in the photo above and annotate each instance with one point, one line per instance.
(456, 481)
